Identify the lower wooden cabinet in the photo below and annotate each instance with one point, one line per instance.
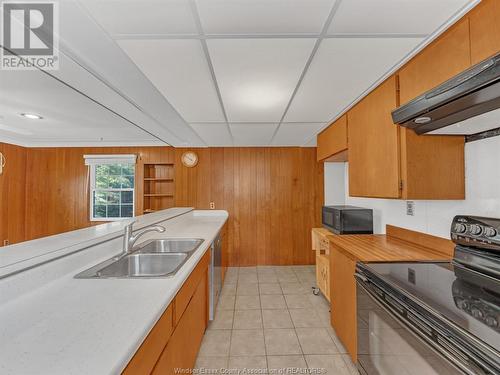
(182, 349)
(146, 357)
(174, 341)
(323, 274)
(321, 245)
(343, 299)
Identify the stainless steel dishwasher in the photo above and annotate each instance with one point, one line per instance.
(215, 274)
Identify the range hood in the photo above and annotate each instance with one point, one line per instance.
(468, 103)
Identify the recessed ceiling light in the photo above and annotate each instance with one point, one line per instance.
(32, 116)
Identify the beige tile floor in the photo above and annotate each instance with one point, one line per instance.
(268, 320)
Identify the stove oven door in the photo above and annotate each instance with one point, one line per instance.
(386, 347)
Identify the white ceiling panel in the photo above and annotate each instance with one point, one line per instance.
(311, 143)
(257, 77)
(68, 117)
(179, 70)
(341, 70)
(392, 16)
(263, 16)
(143, 17)
(214, 134)
(252, 134)
(296, 133)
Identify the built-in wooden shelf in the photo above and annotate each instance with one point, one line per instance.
(158, 192)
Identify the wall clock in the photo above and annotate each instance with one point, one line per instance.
(189, 159)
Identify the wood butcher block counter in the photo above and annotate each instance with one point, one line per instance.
(398, 245)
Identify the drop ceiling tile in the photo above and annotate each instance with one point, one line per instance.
(214, 134)
(67, 116)
(311, 143)
(263, 16)
(256, 77)
(296, 133)
(342, 69)
(252, 134)
(179, 70)
(393, 17)
(144, 17)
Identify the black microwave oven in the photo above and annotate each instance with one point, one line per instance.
(348, 219)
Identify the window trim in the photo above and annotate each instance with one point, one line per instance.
(92, 189)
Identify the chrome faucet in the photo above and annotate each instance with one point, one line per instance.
(129, 239)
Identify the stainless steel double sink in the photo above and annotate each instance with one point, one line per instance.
(152, 259)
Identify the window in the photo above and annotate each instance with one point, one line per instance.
(112, 180)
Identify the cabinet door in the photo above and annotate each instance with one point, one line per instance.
(333, 140)
(322, 265)
(147, 355)
(182, 349)
(441, 60)
(343, 294)
(374, 145)
(484, 30)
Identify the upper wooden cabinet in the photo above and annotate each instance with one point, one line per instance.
(438, 62)
(332, 142)
(484, 30)
(388, 161)
(374, 144)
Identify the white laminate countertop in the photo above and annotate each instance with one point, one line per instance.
(52, 323)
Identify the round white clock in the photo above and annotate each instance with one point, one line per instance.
(189, 159)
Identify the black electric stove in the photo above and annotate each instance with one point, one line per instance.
(453, 307)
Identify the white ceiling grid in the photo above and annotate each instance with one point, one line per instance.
(261, 72)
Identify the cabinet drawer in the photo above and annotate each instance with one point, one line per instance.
(333, 140)
(147, 355)
(184, 295)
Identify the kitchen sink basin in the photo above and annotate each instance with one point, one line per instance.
(137, 265)
(170, 245)
(154, 258)
(144, 265)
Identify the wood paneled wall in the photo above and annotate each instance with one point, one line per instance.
(273, 195)
(12, 194)
(57, 185)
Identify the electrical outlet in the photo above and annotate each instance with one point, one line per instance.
(6, 242)
(212, 205)
(412, 278)
(410, 208)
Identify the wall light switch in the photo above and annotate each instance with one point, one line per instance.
(212, 205)
(410, 208)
